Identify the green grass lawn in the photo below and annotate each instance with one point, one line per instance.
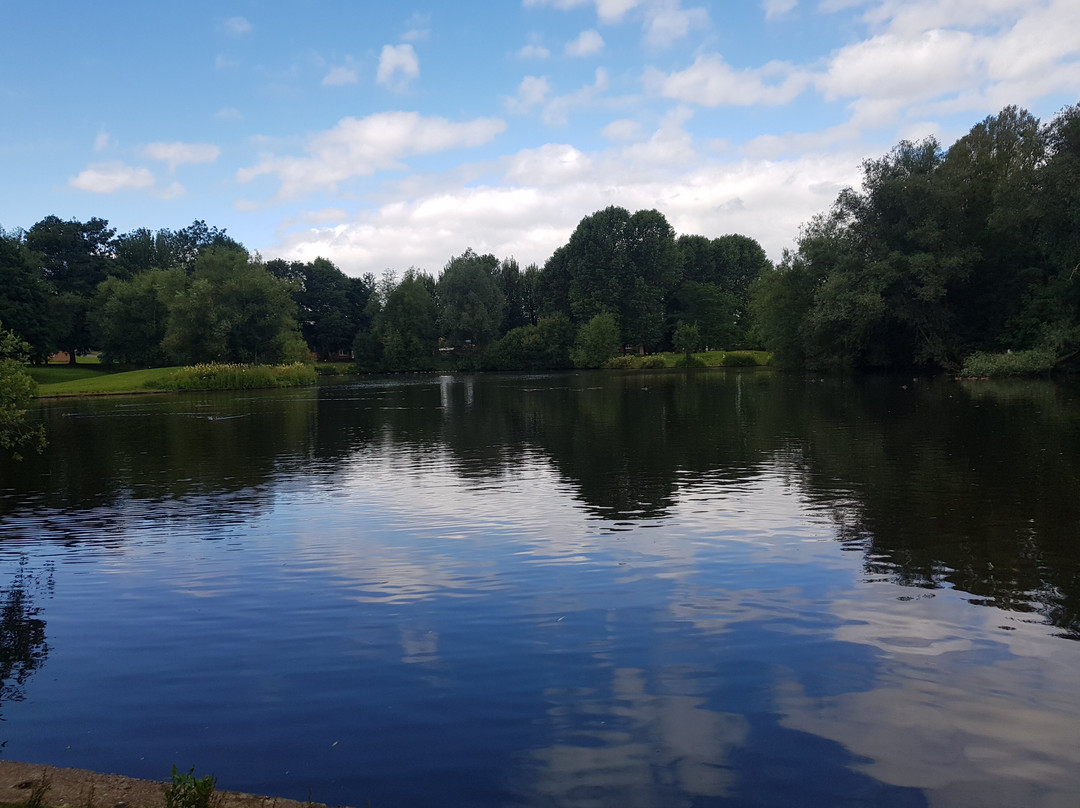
(54, 374)
(87, 382)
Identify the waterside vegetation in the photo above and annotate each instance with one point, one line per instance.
(964, 260)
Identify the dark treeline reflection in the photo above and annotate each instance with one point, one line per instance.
(936, 482)
(22, 630)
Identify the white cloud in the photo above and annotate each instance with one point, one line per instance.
(664, 21)
(531, 93)
(340, 76)
(667, 21)
(418, 28)
(229, 114)
(177, 153)
(533, 51)
(236, 26)
(623, 129)
(108, 178)
(542, 193)
(102, 141)
(778, 8)
(608, 11)
(398, 65)
(612, 11)
(557, 110)
(711, 82)
(551, 164)
(358, 147)
(586, 44)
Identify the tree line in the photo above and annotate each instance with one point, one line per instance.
(941, 255)
(149, 298)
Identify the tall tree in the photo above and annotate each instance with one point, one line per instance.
(471, 302)
(24, 297)
(75, 257)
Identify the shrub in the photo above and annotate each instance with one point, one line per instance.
(653, 361)
(738, 359)
(238, 377)
(1010, 363)
(187, 791)
(625, 362)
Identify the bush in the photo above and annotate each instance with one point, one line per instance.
(187, 791)
(739, 359)
(1010, 363)
(689, 362)
(238, 377)
(653, 361)
(625, 362)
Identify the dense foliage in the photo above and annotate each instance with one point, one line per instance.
(942, 257)
(942, 254)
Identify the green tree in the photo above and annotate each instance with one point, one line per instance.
(618, 262)
(407, 325)
(75, 257)
(130, 317)
(17, 390)
(687, 339)
(232, 310)
(597, 341)
(24, 296)
(471, 302)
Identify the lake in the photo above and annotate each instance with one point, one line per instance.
(731, 588)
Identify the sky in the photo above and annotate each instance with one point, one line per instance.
(386, 136)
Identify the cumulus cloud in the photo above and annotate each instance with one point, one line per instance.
(666, 22)
(557, 110)
(398, 65)
(531, 93)
(236, 26)
(542, 193)
(712, 82)
(586, 44)
(623, 129)
(418, 28)
(102, 141)
(178, 153)
(533, 51)
(778, 8)
(340, 76)
(359, 147)
(108, 178)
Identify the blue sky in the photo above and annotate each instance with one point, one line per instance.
(389, 137)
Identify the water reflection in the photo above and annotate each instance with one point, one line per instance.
(575, 589)
(23, 649)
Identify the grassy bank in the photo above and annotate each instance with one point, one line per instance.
(77, 382)
(712, 359)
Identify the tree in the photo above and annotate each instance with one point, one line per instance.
(24, 297)
(597, 341)
(75, 257)
(17, 390)
(686, 339)
(232, 310)
(130, 317)
(407, 326)
(617, 262)
(472, 304)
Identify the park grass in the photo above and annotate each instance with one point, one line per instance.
(103, 383)
(55, 374)
(195, 377)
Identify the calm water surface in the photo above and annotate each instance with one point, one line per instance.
(728, 588)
